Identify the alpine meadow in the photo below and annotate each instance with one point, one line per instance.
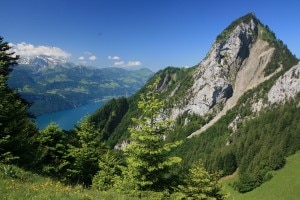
(226, 128)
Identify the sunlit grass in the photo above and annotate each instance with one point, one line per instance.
(285, 184)
(17, 184)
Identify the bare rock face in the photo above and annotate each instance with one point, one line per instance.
(215, 76)
(286, 87)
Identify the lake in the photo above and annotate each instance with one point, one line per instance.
(68, 118)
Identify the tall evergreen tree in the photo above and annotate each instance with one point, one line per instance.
(52, 150)
(201, 185)
(84, 156)
(16, 127)
(147, 157)
(109, 171)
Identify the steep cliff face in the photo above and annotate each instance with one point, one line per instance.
(286, 87)
(232, 66)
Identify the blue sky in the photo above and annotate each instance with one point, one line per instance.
(137, 33)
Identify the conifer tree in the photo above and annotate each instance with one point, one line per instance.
(84, 155)
(16, 127)
(147, 157)
(202, 185)
(52, 150)
(109, 171)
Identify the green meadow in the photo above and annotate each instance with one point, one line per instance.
(17, 184)
(285, 184)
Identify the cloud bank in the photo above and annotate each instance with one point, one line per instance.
(28, 50)
(133, 63)
(117, 62)
(89, 56)
(113, 57)
(128, 64)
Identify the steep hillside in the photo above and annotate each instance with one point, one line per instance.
(55, 85)
(286, 179)
(238, 108)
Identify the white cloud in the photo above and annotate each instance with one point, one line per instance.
(133, 63)
(28, 50)
(119, 63)
(128, 64)
(87, 53)
(92, 57)
(81, 58)
(113, 57)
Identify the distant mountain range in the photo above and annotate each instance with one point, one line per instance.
(53, 84)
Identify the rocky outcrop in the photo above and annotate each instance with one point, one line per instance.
(251, 74)
(286, 87)
(214, 79)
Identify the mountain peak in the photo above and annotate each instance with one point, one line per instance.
(249, 19)
(41, 61)
(236, 62)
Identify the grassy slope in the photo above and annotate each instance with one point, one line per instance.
(17, 184)
(285, 184)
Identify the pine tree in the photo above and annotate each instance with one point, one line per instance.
(16, 127)
(202, 185)
(109, 171)
(52, 150)
(84, 156)
(147, 157)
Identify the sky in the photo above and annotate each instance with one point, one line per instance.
(136, 33)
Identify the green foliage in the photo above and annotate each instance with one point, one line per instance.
(10, 171)
(108, 117)
(148, 164)
(109, 171)
(24, 185)
(266, 34)
(84, 155)
(264, 142)
(201, 185)
(282, 57)
(261, 143)
(16, 128)
(285, 179)
(52, 150)
(7, 59)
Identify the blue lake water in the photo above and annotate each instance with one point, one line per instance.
(67, 119)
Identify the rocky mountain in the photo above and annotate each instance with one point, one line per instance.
(54, 85)
(40, 62)
(286, 87)
(239, 105)
(245, 55)
(239, 60)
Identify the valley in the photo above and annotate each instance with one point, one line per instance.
(53, 85)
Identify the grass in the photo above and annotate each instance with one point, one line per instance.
(17, 184)
(285, 184)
